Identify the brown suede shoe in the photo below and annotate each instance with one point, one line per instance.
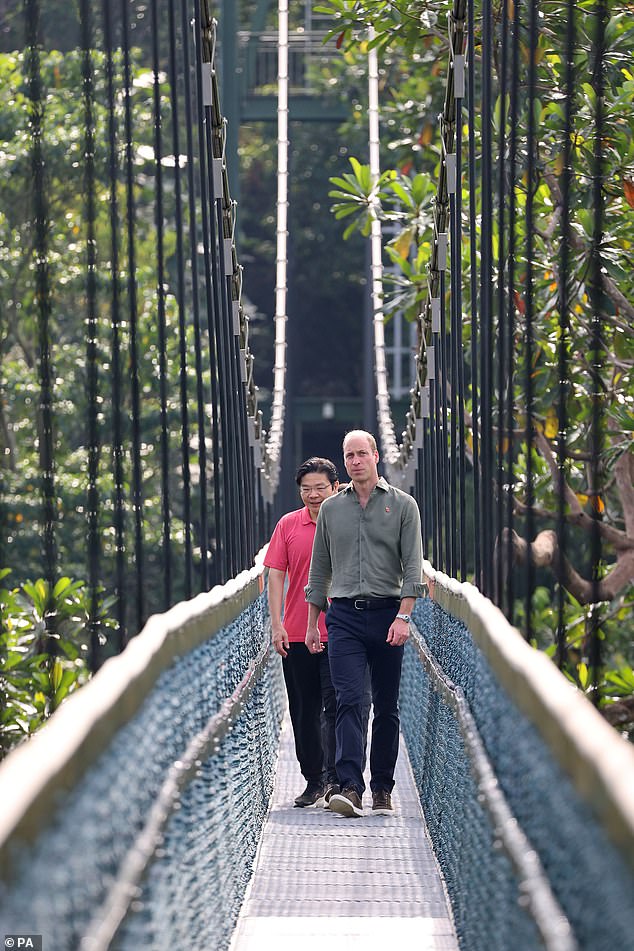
(313, 795)
(330, 790)
(382, 803)
(347, 803)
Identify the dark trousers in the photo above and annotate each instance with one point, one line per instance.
(356, 639)
(312, 706)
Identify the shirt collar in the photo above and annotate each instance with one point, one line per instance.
(381, 484)
(305, 516)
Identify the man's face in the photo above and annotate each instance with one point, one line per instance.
(360, 458)
(314, 488)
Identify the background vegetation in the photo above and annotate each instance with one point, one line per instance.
(411, 38)
(48, 626)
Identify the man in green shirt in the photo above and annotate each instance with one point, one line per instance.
(367, 558)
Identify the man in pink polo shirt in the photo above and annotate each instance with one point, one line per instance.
(311, 696)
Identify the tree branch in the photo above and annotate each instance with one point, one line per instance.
(624, 475)
(621, 541)
(546, 553)
(620, 712)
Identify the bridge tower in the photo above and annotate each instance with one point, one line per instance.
(248, 63)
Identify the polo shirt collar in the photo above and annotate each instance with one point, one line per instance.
(381, 484)
(305, 516)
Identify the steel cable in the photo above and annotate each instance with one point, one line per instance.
(116, 339)
(92, 373)
(194, 229)
(597, 344)
(529, 332)
(166, 566)
(563, 345)
(180, 298)
(40, 257)
(133, 346)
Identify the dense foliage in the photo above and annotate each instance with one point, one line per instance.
(76, 353)
(45, 637)
(63, 133)
(328, 284)
(326, 307)
(413, 49)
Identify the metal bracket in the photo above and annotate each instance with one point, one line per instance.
(228, 256)
(459, 83)
(424, 402)
(441, 242)
(430, 362)
(456, 59)
(217, 176)
(208, 97)
(435, 312)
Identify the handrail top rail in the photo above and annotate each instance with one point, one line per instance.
(598, 761)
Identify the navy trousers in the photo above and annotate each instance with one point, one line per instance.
(312, 704)
(356, 639)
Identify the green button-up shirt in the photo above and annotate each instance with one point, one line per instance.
(371, 552)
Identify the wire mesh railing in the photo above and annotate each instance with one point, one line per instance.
(526, 791)
(135, 816)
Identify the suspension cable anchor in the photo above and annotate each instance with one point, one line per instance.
(456, 26)
(447, 130)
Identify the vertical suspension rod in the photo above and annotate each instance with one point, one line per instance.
(276, 430)
(386, 426)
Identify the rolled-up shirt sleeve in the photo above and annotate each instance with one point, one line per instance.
(412, 552)
(320, 573)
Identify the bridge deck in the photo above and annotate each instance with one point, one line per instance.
(372, 881)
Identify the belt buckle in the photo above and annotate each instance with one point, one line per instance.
(360, 603)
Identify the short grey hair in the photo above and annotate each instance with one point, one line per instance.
(364, 434)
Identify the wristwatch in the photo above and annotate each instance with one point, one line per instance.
(404, 617)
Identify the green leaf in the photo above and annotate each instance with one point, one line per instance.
(68, 678)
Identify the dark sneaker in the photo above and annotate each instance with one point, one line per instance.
(347, 803)
(331, 789)
(382, 803)
(313, 795)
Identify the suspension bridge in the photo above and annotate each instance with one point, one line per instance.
(153, 809)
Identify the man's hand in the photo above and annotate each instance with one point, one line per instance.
(313, 639)
(280, 640)
(398, 632)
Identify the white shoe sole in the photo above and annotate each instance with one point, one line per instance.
(344, 807)
(382, 812)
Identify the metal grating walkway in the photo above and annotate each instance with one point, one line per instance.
(318, 876)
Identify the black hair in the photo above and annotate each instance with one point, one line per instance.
(317, 464)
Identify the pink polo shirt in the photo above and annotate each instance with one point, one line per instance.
(289, 550)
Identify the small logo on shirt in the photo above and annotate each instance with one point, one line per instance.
(387, 508)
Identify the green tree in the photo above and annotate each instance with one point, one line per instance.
(413, 47)
(64, 143)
